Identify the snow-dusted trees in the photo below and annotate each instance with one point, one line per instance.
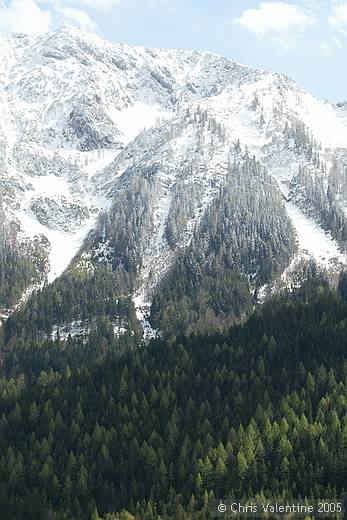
(324, 197)
(127, 225)
(20, 265)
(299, 139)
(243, 240)
(186, 196)
(338, 178)
(321, 194)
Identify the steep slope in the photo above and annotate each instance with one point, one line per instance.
(290, 132)
(118, 155)
(55, 134)
(201, 202)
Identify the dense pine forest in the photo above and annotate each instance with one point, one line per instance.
(149, 433)
(76, 295)
(241, 245)
(18, 268)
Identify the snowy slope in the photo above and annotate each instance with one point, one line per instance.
(77, 112)
(258, 114)
(67, 100)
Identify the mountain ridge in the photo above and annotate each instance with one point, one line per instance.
(169, 122)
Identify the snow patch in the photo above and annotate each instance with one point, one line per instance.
(142, 313)
(50, 186)
(314, 240)
(63, 246)
(133, 120)
(81, 328)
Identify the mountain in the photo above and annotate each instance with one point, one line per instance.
(179, 182)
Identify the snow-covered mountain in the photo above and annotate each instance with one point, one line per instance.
(89, 128)
(69, 103)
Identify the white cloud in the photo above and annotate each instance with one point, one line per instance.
(77, 17)
(338, 17)
(24, 16)
(40, 16)
(277, 20)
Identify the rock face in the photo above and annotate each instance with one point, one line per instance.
(129, 156)
(59, 214)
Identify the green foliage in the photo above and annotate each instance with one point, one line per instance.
(244, 240)
(157, 432)
(343, 285)
(323, 200)
(19, 267)
(74, 296)
(125, 227)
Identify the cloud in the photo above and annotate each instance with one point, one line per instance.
(276, 20)
(24, 16)
(40, 16)
(338, 18)
(77, 17)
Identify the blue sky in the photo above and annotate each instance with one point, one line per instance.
(306, 39)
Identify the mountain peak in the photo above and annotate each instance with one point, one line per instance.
(78, 114)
